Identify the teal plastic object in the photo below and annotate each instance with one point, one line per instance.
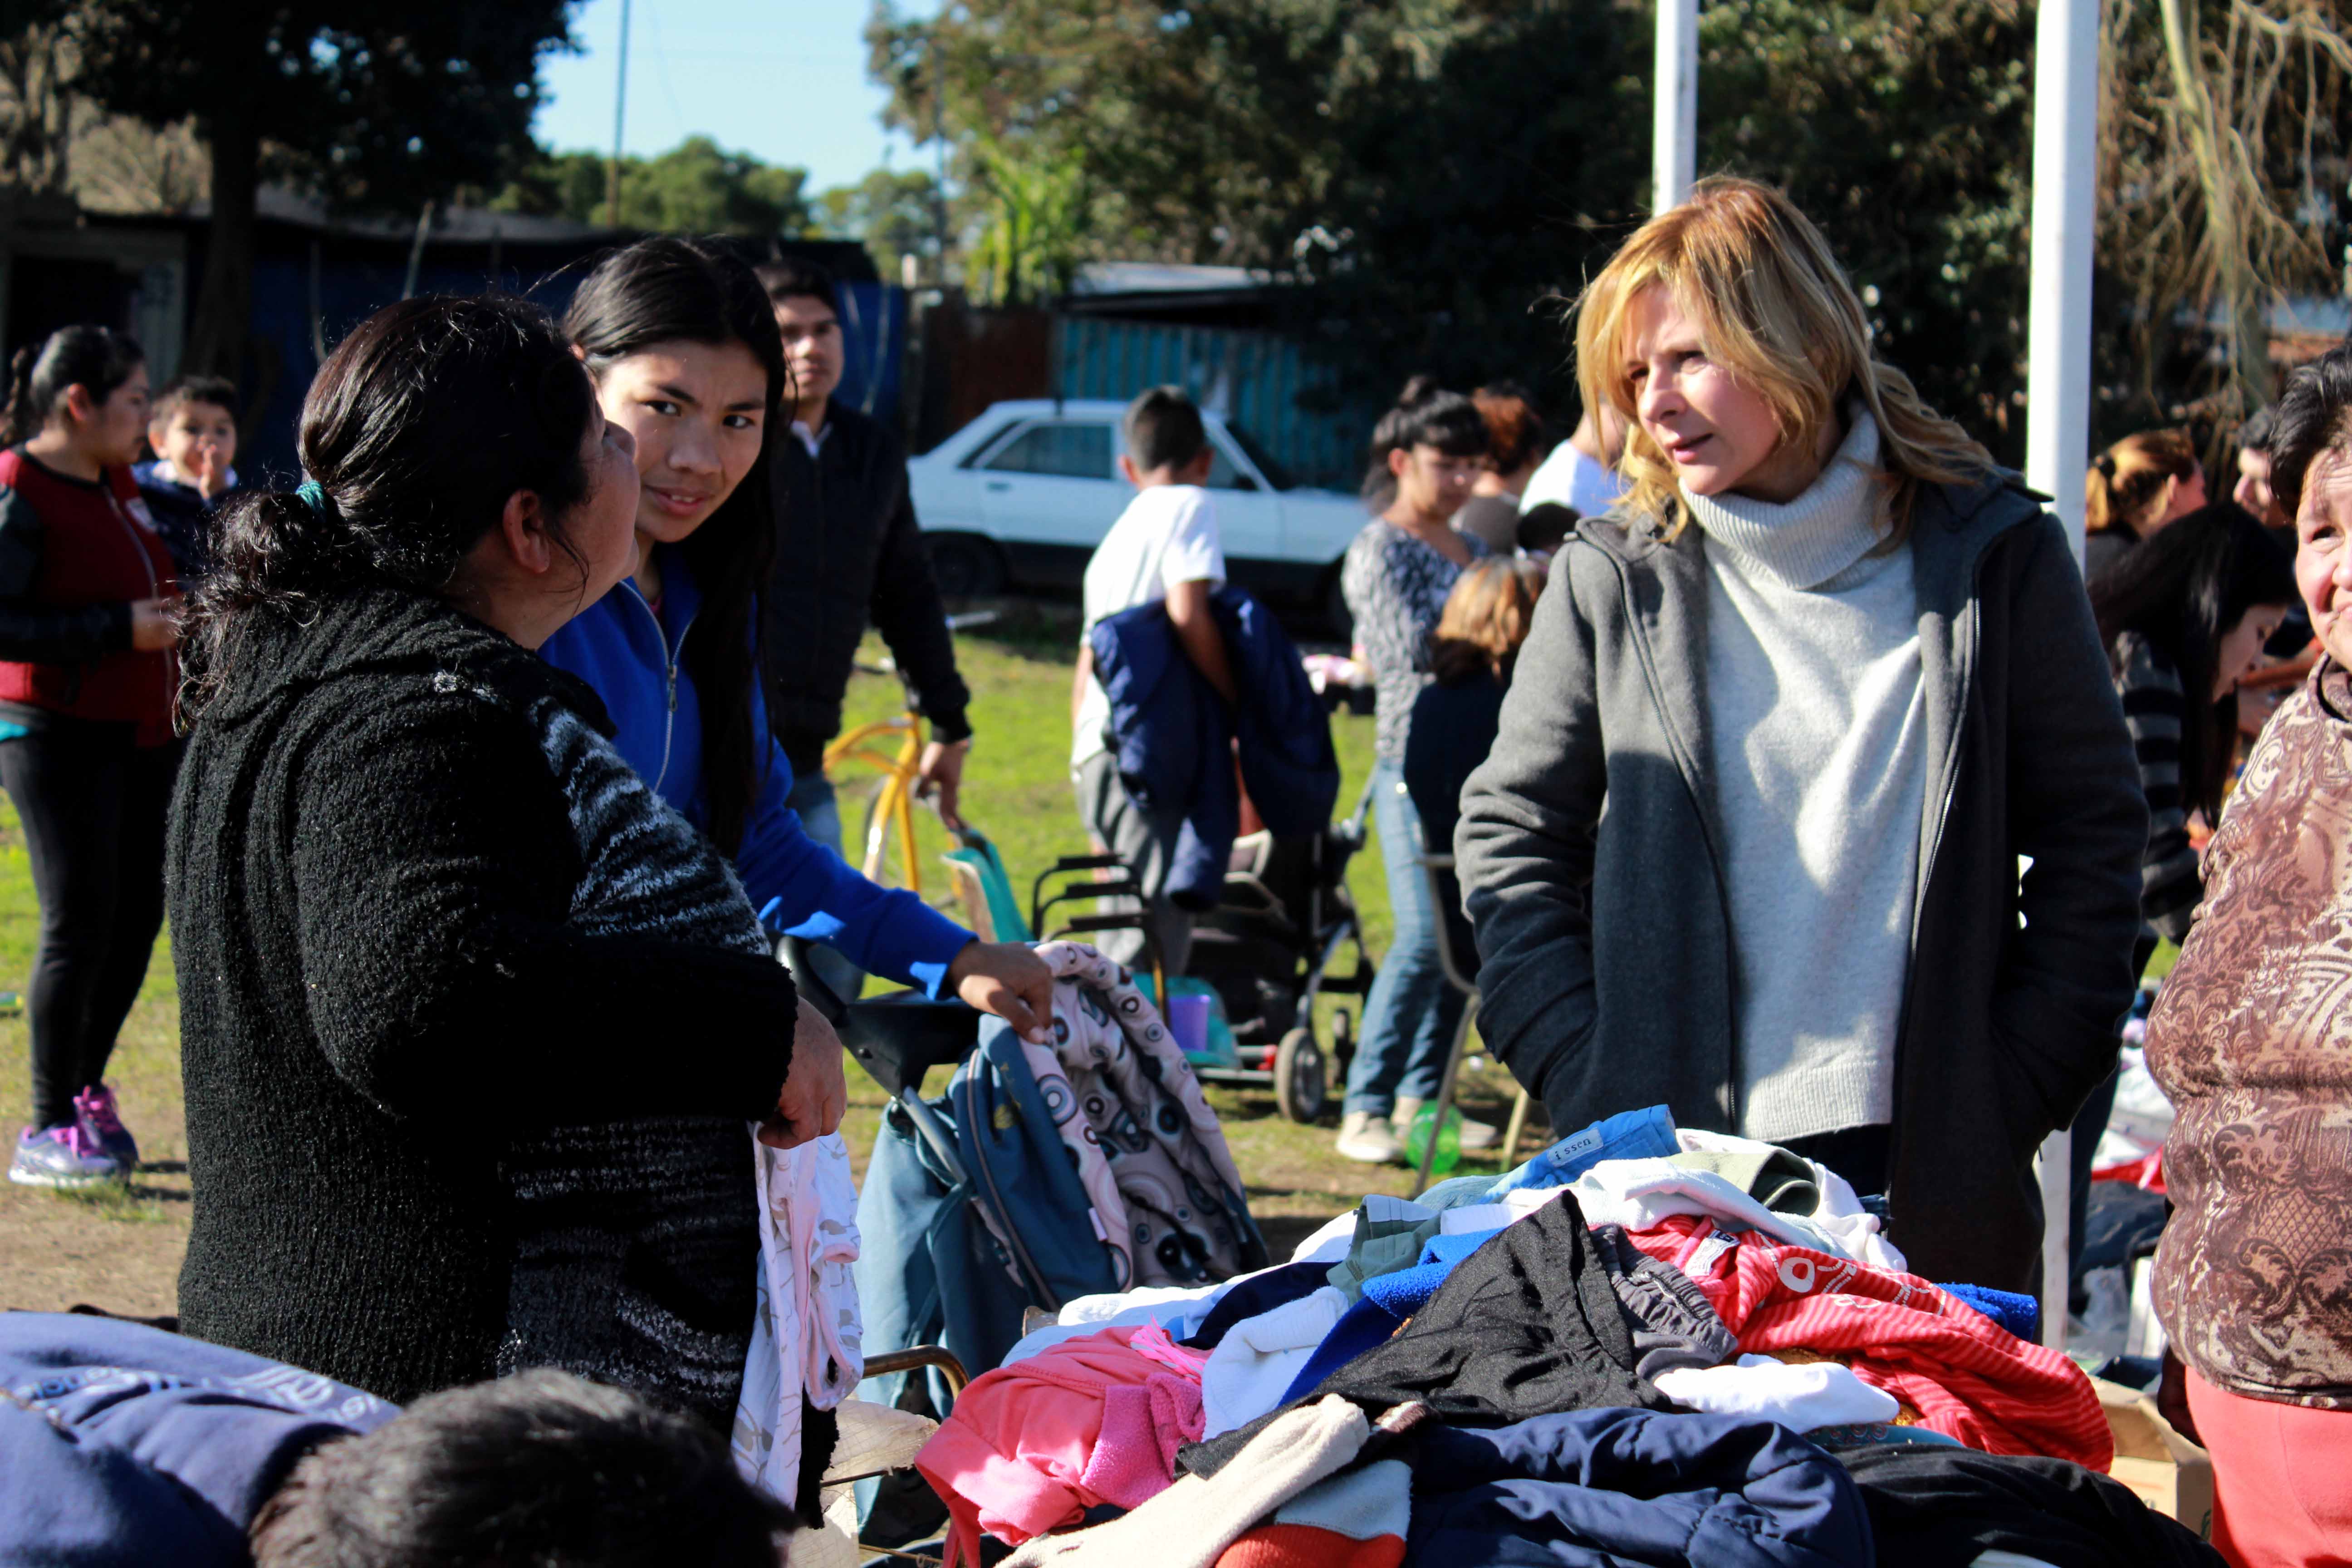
(1005, 910)
(1222, 1052)
(1449, 1140)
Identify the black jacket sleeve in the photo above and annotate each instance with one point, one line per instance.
(35, 633)
(907, 611)
(433, 877)
(2077, 813)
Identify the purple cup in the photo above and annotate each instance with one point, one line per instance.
(1188, 1020)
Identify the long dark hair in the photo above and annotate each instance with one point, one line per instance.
(416, 430)
(2183, 589)
(664, 290)
(1425, 415)
(97, 359)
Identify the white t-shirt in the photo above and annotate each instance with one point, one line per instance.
(1573, 480)
(1167, 536)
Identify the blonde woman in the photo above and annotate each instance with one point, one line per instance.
(1835, 675)
(2135, 487)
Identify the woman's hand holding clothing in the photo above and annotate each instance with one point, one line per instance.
(815, 1092)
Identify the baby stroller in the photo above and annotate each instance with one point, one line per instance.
(975, 1213)
(1272, 946)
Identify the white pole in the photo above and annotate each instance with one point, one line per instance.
(1674, 110)
(2065, 214)
(2058, 401)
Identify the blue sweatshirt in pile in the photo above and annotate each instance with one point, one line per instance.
(632, 657)
(121, 1444)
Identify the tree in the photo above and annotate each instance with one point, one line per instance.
(1904, 129)
(36, 109)
(2224, 152)
(696, 187)
(1434, 168)
(894, 212)
(379, 106)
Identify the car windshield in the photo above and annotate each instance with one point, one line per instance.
(1276, 474)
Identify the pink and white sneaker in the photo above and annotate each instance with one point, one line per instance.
(60, 1157)
(101, 1123)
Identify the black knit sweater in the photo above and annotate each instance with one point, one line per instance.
(471, 1024)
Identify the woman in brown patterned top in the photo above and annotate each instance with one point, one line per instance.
(2252, 1040)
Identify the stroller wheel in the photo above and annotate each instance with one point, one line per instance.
(1299, 1076)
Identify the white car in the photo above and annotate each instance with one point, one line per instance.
(1021, 495)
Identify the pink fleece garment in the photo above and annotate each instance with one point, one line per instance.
(1135, 1456)
(1011, 1459)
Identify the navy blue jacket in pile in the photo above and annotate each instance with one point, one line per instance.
(1172, 734)
(121, 1444)
(1593, 1487)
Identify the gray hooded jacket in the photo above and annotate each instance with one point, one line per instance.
(1604, 939)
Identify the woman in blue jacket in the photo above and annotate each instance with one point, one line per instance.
(684, 349)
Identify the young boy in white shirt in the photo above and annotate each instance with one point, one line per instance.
(1164, 547)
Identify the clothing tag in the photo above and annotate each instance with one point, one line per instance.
(1713, 1248)
(1570, 1150)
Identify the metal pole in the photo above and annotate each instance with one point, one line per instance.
(2058, 404)
(620, 112)
(1674, 108)
(2066, 199)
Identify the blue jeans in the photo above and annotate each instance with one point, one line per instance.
(820, 816)
(1410, 1018)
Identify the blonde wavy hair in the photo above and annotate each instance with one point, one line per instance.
(1775, 309)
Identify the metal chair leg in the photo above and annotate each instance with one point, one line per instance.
(1511, 1133)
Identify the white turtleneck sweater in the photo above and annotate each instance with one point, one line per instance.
(1819, 725)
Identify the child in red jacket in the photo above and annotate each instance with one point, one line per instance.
(87, 682)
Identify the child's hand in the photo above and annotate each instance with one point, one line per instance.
(152, 629)
(211, 473)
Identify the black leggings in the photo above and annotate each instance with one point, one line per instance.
(93, 807)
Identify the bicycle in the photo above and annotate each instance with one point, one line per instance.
(893, 805)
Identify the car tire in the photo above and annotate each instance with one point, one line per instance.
(1333, 601)
(965, 565)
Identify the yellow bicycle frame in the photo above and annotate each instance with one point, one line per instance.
(896, 805)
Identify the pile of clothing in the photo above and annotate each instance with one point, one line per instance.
(1646, 1344)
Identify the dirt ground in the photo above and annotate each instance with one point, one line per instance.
(115, 1247)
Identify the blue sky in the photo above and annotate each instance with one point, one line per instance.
(782, 79)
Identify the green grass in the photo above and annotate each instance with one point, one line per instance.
(120, 1247)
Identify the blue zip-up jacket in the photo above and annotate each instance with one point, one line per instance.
(631, 658)
(124, 1445)
(1172, 734)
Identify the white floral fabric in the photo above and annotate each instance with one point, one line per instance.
(806, 1338)
(1149, 1150)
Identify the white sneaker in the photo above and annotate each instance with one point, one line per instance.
(1368, 1138)
(1475, 1137)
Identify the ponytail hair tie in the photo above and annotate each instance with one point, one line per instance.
(314, 498)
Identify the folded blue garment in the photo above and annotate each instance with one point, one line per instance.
(2019, 1314)
(1647, 1134)
(1405, 1291)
